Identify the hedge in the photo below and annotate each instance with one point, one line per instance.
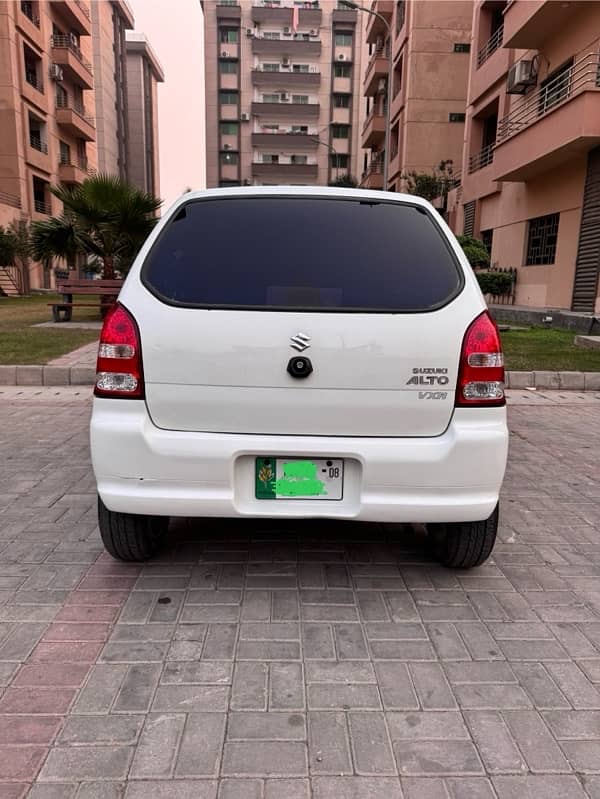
(496, 283)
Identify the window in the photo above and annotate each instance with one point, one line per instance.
(454, 117)
(270, 67)
(556, 87)
(229, 128)
(541, 240)
(271, 35)
(270, 98)
(487, 237)
(62, 98)
(37, 134)
(299, 128)
(298, 159)
(400, 15)
(188, 263)
(340, 131)
(341, 101)
(397, 77)
(342, 70)
(343, 39)
(229, 35)
(270, 128)
(41, 196)
(339, 160)
(270, 159)
(65, 153)
(302, 99)
(462, 47)
(33, 68)
(228, 67)
(300, 68)
(30, 10)
(229, 158)
(82, 153)
(228, 98)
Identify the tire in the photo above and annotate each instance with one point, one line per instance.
(129, 536)
(465, 545)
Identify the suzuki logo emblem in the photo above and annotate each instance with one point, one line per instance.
(300, 342)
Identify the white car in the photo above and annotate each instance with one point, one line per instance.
(294, 352)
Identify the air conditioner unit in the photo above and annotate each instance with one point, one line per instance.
(284, 96)
(247, 182)
(73, 40)
(287, 31)
(245, 117)
(227, 146)
(285, 61)
(224, 54)
(249, 32)
(522, 75)
(314, 32)
(381, 85)
(341, 57)
(56, 72)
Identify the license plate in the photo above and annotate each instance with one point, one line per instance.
(299, 478)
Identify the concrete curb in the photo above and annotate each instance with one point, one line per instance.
(85, 376)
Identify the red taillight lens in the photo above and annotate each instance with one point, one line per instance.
(481, 370)
(119, 368)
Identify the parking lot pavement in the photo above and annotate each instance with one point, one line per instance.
(287, 661)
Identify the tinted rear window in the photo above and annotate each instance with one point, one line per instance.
(303, 254)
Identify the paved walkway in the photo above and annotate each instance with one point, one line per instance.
(82, 356)
(288, 661)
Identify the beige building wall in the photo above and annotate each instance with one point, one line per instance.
(526, 155)
(429, 46)
(144, 72)
(110, 20)
(47, 126)
(253, 53)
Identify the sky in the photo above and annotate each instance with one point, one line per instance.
(175, 31)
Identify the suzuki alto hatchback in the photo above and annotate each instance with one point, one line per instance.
(298, 352)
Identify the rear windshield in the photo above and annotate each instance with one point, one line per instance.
(304, 254)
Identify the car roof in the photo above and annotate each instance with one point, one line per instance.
(301, 191)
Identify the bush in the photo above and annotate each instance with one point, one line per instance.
(495, 283)
(475, 250)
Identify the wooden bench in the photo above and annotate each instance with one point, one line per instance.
(107, 289)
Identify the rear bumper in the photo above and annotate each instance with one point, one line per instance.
(143, 469)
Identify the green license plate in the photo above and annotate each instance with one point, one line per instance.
(299, 478)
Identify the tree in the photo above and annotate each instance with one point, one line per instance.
(431, 185)
(14, 250)
(345, 182)
(475, 250)
(104, 217)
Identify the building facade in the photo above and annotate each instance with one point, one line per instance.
(110, 20)
(47, 125)
(282, 92)
(429, 44)
(144, 73)
(531, 162)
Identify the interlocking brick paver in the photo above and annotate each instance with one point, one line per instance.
(304, 661)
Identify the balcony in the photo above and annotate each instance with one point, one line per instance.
(67, 54)
(490, 47)
(285, 140)
(481, 159)
(295, 171)
(28, 22)
(72, 172)
(375, 27)
(308, 17)
(76, 14)
(32, 89)
(372, 177)
(228, 10)
(528, 23)
(37, 153)
(347, 16)
(374, 130)
(551, 124)
(287, 110)
(76, 121)
(284, 78)
(42, 207)
(377, 70)
(294, 48)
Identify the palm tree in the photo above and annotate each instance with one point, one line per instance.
(104, 216)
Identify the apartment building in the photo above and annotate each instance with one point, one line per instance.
(144, 73)
(283, 85)
(110, 21)
(531, 162)
(429, 44)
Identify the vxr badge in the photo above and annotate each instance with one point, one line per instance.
(300, 342)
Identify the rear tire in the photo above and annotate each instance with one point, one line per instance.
(464, 545)
(129, 536)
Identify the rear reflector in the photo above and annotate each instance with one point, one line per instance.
(119, 368)
(481, 370)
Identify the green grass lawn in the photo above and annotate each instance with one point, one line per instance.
(545, 349)
(22, 344)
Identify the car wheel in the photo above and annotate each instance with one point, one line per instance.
(129, 536)
(463, 545)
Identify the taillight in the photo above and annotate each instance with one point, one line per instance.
(481, 370)
(119, 367)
